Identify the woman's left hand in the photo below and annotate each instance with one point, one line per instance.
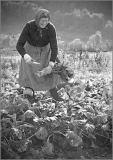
(46, 70)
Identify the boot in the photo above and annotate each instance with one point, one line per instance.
(28, 91)
(54, 94)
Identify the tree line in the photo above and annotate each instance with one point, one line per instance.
(70, 19)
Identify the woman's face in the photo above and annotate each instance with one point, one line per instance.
(43, 22)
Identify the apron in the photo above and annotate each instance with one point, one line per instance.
(27, 76)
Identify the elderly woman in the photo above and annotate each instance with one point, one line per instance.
(37, 45)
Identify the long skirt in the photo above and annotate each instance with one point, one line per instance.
(27, 72)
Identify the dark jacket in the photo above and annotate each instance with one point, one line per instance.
(38, 37)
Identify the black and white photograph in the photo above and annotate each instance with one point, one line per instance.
(56, 79)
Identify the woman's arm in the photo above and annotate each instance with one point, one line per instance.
(22, 40)
(53, 43)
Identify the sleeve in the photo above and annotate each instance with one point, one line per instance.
(22, 40)
(53, 43)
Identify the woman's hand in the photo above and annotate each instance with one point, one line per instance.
(28, 59)
(46, 70)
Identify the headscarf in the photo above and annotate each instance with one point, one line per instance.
(38, 15)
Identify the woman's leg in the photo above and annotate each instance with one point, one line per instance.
(55, 95)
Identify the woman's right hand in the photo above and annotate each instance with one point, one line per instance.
(28, 59)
